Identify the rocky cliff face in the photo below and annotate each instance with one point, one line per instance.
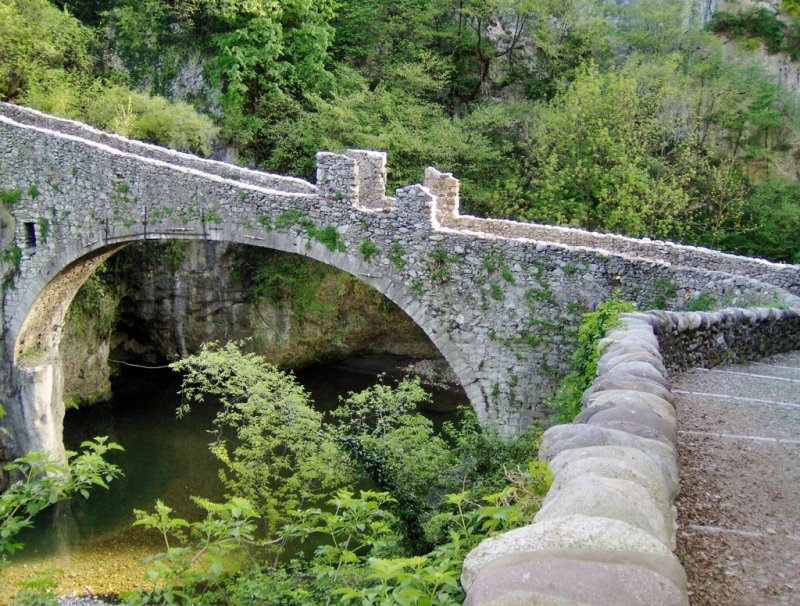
(173, 298)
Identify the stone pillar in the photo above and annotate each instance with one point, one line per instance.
(337, 177)
(37, 414)
(445, 187)
(371, 177)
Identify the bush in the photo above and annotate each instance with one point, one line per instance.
(154, 119)
(760, 23)
(567, 401)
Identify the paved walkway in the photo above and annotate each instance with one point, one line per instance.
(739, 504)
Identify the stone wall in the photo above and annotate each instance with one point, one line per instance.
(606, 530)
(500, 300)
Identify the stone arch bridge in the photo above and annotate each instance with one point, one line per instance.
(500, 300)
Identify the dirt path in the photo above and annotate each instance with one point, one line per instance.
(739, 503)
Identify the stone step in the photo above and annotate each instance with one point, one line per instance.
(767, 368)
(739, 416)
(732, 381)
(741, 484)
(738, 512)
(787, 359)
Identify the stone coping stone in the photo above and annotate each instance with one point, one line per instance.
(572, 531)
(592, 583)
(619, 462)
(619, 356)
(603, 384)
(632, 399)
(640, 341)
(643, 423)
(625, 500)
(640, 332)
(636, 370)
(565, 437)
(668, 566)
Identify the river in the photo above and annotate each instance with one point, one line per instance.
(89, 542)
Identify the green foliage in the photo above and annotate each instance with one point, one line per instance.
(10, 196)
(397, 255)
(172, 124)
(39, 42)
(283, 456)
(379, 427)
(791, 7)
(439, 262)
(352, 528)
(760, 23)
(328, 236)
(47, 62)
(94, 308)
(198, 554)
(599, 157)
(567, 401)
(368, 250)
(13, 256)
(365, 548)
(37, 591)
(33, 192)
(212, 216)
(662, 290)
(702, 302)
(770, 222)
(44, 228)
(42, 482)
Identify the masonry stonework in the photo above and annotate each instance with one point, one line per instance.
(499, 299)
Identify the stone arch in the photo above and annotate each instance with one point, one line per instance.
(36, 330)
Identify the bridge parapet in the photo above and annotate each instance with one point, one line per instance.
(31, 117)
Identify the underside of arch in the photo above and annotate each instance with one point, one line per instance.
(41, 330)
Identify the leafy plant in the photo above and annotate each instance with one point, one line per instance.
(702, 302)
(37, 591)
(10, 196)
(44, 228)
(212, 215)
(43, 482)
(198, 554)
(283, 456)
(594, 326)
(368, 250)
(758, 23)
(380, 427)
(397, 255)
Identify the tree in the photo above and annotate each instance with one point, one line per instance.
(605, 155)
(283, 458)
(387, 437)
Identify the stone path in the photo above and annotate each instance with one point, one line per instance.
(739, 503)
